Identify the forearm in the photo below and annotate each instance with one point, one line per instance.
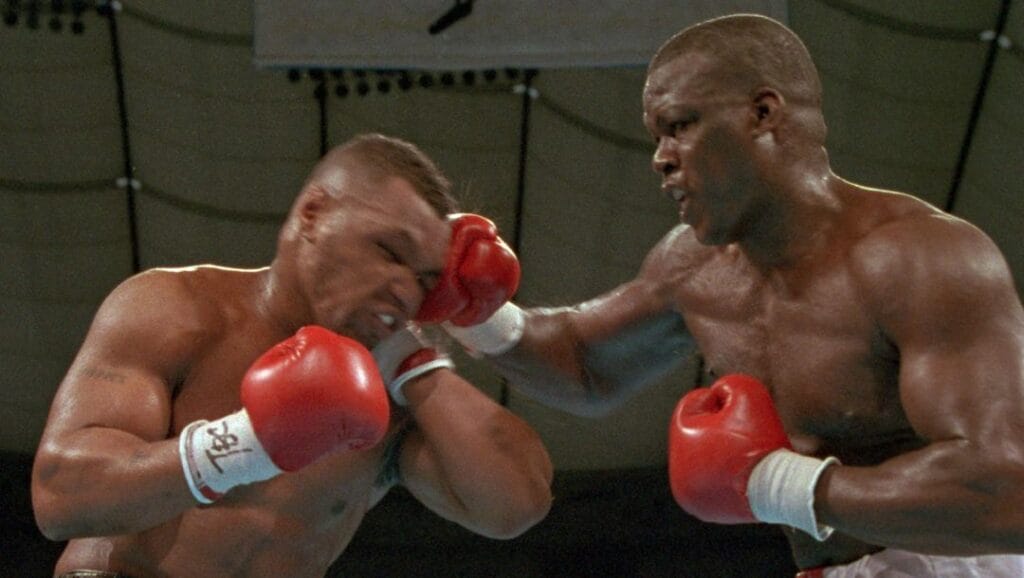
(100, 481)
(492, 464)
(591, 367)
(944, 499)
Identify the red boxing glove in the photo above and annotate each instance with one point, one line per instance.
(305, 397)
(312, 393)
(481, 273)
(717, 436)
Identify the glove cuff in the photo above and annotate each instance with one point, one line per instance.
(405, 354)
(217, 456)
(498, 334)
(780, 490)
(395, 387)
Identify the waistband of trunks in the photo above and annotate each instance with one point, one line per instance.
(92, 574)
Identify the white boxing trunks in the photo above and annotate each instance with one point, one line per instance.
(892, 563)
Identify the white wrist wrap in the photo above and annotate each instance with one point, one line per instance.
(501, 332)
(393, 351)
(219, 455)
(781, 491)
(395, 387)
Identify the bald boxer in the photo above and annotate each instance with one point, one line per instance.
(871, 345)
(223, 422)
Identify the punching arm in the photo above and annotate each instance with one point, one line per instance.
(589, 358)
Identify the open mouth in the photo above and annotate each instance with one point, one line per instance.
(677, 194)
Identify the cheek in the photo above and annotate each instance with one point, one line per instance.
(726, 165)
(718, 151)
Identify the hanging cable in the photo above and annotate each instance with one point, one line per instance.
(529, 94)
(993, 37)
(902, 26)
(211, 211)
(127, 180)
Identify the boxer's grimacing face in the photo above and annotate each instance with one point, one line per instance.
(703, 150)
(381, 248)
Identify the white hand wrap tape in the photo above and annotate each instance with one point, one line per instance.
(500, 333)
(781, 491)
(219, 455)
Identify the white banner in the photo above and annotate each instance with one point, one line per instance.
(398, 34)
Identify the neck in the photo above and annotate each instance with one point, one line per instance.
(280, 302)
(794, 223)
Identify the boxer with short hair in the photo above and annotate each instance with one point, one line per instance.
(224, 422)
(867, 348)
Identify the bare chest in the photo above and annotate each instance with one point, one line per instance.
(327, 498)
(810, 338)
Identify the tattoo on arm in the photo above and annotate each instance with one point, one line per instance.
(103, 374)
(389, 472)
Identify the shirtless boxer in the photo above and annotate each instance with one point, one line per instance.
(887, 335)
(149, 465)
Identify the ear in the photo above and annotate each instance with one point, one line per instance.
(311, 206)
(766, 110)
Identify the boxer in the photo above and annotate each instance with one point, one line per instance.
(224, 422)
(879, 341)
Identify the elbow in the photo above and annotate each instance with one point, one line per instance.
(59, 520)
(53, 532)
(57, 510)
(517, 518)
(603, 391)
(47, 508)
(532, 509)
(583, 395)
(599, 399)
(596, 407)
(524, 506)
(47, 512)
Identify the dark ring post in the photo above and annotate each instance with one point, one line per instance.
(108, 10)
(524, 141)
(979, 99)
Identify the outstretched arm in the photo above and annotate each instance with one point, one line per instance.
(947, 301)
(590, 358)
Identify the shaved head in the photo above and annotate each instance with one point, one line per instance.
(748, 52)
(753, 50)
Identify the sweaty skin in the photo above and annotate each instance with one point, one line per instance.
(293, 524)
(170, 346)
(889, 333)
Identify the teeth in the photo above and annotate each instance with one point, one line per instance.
(386, 319)
(677, 194)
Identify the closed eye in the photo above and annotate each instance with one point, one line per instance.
(679, 127)
(428, 280)
(392, 255)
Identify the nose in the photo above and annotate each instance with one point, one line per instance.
(664, 162)
(406, 292)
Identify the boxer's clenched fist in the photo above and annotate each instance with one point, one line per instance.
(311, 394)
(730, 460)
(480, 274)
